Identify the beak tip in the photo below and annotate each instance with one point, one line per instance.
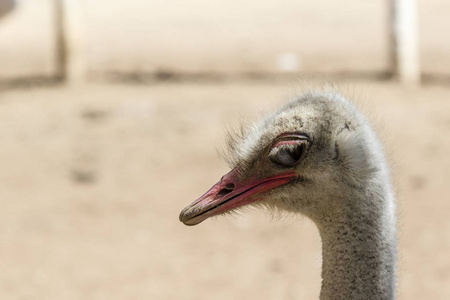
(187, 220)
(182, 216)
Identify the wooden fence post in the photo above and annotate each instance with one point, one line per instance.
(70, 48)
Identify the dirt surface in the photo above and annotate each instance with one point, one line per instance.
(92, 182)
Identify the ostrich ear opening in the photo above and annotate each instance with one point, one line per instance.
(351, 153)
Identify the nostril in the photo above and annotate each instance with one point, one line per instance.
(229, 186)
(226, 190)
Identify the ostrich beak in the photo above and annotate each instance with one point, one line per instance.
(230, 193)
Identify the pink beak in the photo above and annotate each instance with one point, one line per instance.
(230, 193)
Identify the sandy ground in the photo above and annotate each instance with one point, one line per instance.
(92, 182)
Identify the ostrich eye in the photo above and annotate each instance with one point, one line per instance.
(287, 153)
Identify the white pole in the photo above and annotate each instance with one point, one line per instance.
(404, 54)
(70, 52)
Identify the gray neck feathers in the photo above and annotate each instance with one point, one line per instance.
(359, 252)
(358, 227)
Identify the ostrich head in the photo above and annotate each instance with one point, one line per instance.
(316, 156)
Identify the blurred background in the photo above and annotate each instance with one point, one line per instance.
(111, 114)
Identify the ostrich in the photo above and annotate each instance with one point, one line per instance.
(318, 156)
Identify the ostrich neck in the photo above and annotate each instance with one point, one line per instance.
(359, 249)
